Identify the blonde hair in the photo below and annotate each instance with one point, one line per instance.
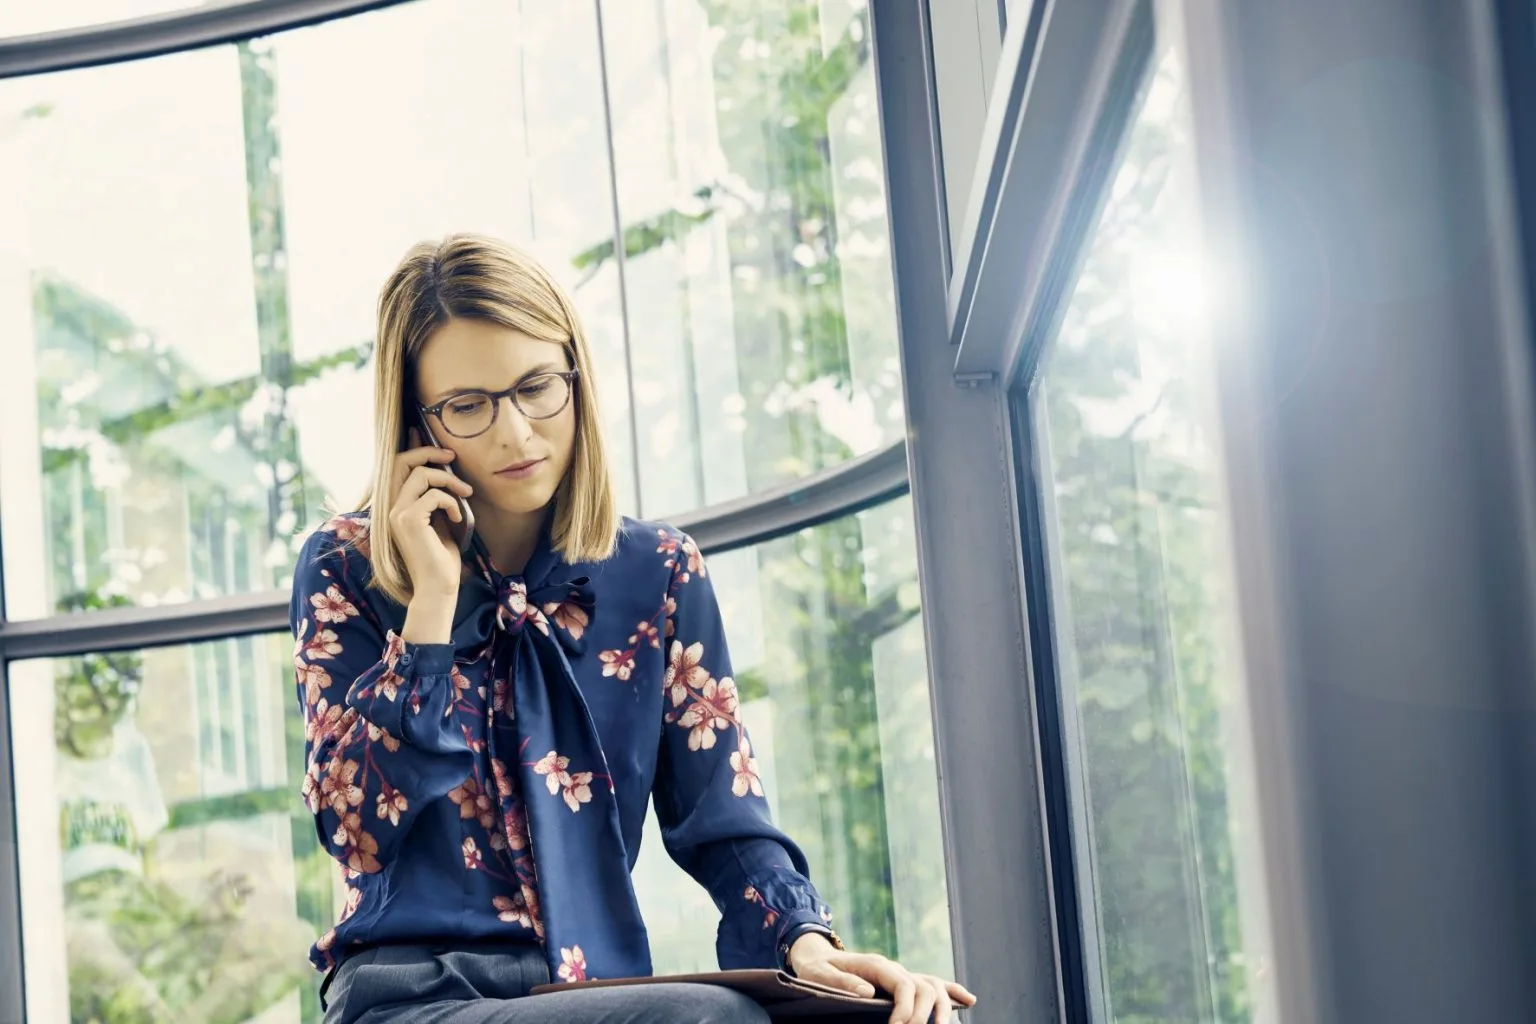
(473, 277)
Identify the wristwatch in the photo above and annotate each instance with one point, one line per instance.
(794, 934)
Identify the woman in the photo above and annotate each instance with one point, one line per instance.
(482, 729)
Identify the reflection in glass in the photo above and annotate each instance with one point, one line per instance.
(827, 643)
(748, 160)
(188, 336)
(169, 872)
(198, 323)
(1140, 604)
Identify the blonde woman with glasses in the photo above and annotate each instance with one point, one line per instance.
(497, 673)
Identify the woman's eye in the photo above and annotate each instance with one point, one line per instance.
(465, 408)
(534, 390)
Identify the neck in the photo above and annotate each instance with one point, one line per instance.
(509, 537)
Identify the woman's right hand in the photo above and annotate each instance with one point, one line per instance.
(427, 545)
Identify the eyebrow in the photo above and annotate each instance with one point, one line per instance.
(545, 367)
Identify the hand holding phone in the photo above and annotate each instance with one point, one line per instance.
(431, 519)
(464, 528)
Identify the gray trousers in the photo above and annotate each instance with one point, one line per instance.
(423, 985)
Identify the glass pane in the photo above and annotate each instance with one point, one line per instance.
(750, 184)
(1141, 603)
(169, 869)
(187, 336)
(824, 628)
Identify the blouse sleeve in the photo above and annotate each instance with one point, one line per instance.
(378, 740)
(709, 800)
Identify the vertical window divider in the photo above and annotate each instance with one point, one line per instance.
(619, 255)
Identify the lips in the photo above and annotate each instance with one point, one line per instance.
(517, 469)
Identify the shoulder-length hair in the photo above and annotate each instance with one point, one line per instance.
(473, 277)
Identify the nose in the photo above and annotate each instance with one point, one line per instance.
(512, 427)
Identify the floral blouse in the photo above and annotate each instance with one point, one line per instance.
(493, 789)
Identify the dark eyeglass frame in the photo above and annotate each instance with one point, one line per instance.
(569, 376)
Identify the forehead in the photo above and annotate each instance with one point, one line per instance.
(464, 354)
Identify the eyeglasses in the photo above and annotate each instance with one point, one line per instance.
(471, 413)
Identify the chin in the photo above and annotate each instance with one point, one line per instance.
(521, 500)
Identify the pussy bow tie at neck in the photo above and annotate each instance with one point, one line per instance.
(584, 896)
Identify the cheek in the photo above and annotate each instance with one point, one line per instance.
(562, 437)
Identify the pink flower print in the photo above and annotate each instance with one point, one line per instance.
(314, 679)
(515, 827)
(340, 788)
(645, 633)
(512, 910)
(388, 685)
(517, 599)
(473, 859)
(392, 803)
(345, 528)
(332, 606)
(501, 699)
(713, 708)
(747, 779)
(618, 663)
(378, 734)
(310, 790)
(770, 916)
(531, 900)
(666, 544)
(683, 671)
(574, 964)
(569, 616)
(323, 644)
(575, 787)
(394, 647)
(473, 802)
(325, 941)
(357, 844)
(695, 560)
(322, 721)
(503, 778)
(354, 898)
(460, 688)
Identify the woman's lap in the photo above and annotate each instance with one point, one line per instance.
(640, 1004)
(394, 985)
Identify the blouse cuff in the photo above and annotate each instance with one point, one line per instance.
(410, 678)
(773, 905)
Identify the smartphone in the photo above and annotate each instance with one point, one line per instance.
(463, 531)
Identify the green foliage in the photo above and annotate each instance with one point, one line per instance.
(92, 692)
(141, 953)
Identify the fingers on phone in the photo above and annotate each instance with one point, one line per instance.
(424, 478)
(435, 500)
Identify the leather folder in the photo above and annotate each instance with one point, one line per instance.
(783, 996)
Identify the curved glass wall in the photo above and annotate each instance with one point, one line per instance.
(195, 244)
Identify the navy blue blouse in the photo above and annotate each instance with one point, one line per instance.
(494, 788)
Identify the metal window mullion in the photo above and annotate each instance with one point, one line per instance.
(851, 487)
(156, 35)
(968, 539)
(619, 255)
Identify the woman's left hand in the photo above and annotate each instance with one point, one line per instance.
(917, 996)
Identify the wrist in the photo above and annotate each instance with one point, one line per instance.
(806, 944)
(429, 618)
